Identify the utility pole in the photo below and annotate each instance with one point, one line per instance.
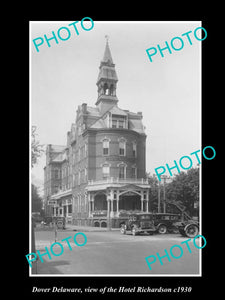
(164, 177)
(159, 204)
(109, 225)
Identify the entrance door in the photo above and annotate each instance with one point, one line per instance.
(130, 202)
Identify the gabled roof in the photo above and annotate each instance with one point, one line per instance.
(100, 123)
(94, 111)
(115, 110)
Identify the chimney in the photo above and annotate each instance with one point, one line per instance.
(84, 108)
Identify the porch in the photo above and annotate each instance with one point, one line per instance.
(115, 198)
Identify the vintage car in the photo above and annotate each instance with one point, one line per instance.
(59, 221)
(188, 228)
(164, 222)
(138, 223)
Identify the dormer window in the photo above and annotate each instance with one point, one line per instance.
(114, 123)
(118, 122)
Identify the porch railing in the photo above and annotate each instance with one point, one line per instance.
(119, 180)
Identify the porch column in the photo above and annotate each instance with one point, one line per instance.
(111, 209)
(142, 201)
(146, 205)
(108, 207)
(117, 202)
(89, 205)
(89, 208)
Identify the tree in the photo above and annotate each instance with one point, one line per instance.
(184, 189)
(153, 193)
(36, 200)
(36, 148)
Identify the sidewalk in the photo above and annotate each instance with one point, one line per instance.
(71, 227)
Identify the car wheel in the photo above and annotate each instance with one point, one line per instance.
(133, 231)
(123, 230)
(162, 229)
(191, 230)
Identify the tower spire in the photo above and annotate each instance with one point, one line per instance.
(107, 78)
(107, 54)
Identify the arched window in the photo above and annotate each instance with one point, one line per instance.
(105, 170)
(122, 147)
(105, 144)
(111, 90)
(134, 171)
(134, 149)
(106, 89)
(122, 170)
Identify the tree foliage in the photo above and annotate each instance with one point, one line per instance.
(183, 190)
(36, 148)
(36, 200)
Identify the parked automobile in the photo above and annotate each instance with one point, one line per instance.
(59, 221)
(138, 223)
(36, 217)
(164, 222)
(188, 228)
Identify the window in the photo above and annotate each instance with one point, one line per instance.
(79, 154)
(85, 150)
(111, 90)
(79, 177)
(114, 123)
(134, 149)
(122, 171)
(56, 188)
(56, 174)
(121, 123)
(122, 147)
(133, 172)
(105, 171)
(105, 147)
(118, 122)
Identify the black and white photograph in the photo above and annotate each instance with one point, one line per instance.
(116, 143)
(116, 156)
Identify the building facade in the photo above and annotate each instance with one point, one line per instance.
(99, 176)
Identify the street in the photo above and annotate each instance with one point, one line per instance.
(111, 253)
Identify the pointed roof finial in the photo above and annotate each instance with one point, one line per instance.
(107, 38)
(107, 54)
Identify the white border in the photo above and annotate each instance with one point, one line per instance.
(200, 167)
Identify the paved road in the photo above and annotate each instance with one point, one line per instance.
(113, 253)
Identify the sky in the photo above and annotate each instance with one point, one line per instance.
(167, 91)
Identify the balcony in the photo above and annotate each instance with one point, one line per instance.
(116, 182)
